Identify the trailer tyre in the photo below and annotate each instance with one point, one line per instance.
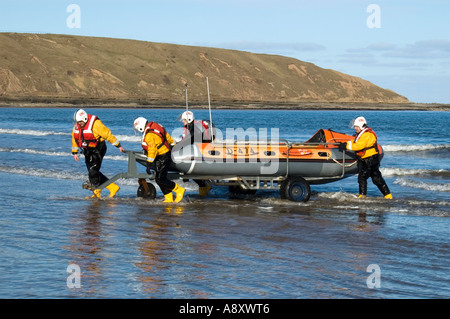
(151, 194)
(296, 189)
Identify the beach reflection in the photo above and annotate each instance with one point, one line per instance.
(87, 246)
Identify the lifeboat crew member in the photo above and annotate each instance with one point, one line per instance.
(366, 148)
(157, 145)
(196, 131)
(89, 135)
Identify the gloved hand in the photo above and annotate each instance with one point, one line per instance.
(149, 169)
(342, 146)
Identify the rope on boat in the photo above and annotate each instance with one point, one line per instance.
(346, 166)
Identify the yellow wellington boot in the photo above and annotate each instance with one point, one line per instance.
(168, 198)
(361, 196)
(179, 191)
(204, 191)
(388, 196)
(113, 189)
(96, 193)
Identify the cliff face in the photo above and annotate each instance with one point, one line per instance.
(62, 66)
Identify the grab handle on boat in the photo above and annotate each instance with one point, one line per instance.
(288, 147)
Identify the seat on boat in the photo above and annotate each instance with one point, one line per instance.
(318, 138)
(328, 136)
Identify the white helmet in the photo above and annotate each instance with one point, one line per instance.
(359, 122)
(80, 115)
(188, 116)
(139, 124)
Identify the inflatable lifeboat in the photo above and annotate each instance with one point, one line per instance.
(246, 166)
(318, 160)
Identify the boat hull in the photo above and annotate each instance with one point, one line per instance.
(311, 162)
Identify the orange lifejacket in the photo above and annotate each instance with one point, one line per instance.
(159, 130)
(361, 153)
(85, 136)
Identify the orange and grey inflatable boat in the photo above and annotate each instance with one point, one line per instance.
(246, 166)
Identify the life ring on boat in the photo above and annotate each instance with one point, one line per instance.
(297, 152)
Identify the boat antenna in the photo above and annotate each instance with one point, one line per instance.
(186, 85)
(210, 116)
(187, 107)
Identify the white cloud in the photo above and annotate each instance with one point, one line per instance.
(427, 49)
(381, 46)
(428, 56)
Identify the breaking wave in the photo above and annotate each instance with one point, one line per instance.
(49, 153)
(436, 187)
(31, 132)
(128, 138)
(31, 151)
(415, 147)
(391, 172)
(401, 173)
(39, 172)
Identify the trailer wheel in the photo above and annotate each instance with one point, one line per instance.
(151, 194)
(296, 189)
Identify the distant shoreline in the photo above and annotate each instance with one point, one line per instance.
(240, 105)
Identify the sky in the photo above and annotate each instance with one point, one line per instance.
(401, 45)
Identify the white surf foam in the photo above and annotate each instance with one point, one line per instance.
(423, 185)
(39, 172)
(128, 138)
(121, 157)
(414, 147)
(31, 132)
(35, 152)
(395, 171)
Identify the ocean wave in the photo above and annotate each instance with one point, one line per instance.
(39, 172)
(50, 153)
(436, 187)
(31, 151)
(128, 138)
(45, 173)
(415, 147)
(395, 171)
(31, 132)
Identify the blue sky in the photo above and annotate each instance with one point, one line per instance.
(402, 45)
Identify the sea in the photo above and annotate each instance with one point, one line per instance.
(58, 244)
